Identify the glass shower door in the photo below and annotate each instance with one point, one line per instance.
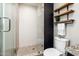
(4, 30)
(1, 27)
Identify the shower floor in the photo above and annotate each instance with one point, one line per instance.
(35, 50)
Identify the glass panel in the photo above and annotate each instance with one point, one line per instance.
(1, 33)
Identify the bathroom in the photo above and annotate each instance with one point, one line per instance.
(30, 29)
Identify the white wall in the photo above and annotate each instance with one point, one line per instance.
(72, 30)
(28, 25)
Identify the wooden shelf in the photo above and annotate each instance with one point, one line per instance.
(66, 21)
(67, 12)
(63, 6)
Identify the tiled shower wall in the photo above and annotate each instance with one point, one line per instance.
(31, 29)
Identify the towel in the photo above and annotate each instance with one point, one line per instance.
(61, 29)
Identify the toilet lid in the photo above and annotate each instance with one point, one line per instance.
(52, 52)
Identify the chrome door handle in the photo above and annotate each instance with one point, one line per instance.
(6, 24)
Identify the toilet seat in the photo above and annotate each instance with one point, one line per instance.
(52, 52)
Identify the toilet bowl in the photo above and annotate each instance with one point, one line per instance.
(59, 47)
(52, 52)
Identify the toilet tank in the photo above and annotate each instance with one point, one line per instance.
(60, 43)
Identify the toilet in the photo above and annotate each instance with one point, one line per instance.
(59, 47)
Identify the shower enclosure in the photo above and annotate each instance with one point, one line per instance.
(21, 29)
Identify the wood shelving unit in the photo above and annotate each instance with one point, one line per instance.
(65, 21)
(68, 21)
(63, 6)
(67, 12)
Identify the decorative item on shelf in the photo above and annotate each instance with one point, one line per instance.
(57, 18)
